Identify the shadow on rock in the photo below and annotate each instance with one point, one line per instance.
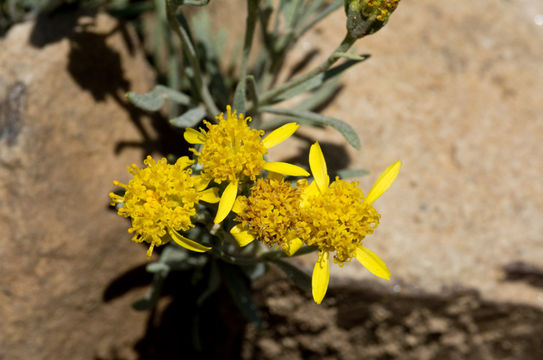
(97, 68)
(180, 327)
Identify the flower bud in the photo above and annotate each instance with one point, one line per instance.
(365, 17)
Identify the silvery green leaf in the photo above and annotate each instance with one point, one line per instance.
(303, 117)
(240, 97)
(319, 96)
(157, 267)
(190, 118)
(252, 89)
(317, 80)
(255, 271)
(350, 56)
(348, 173)
(298, 277)
(153, 100)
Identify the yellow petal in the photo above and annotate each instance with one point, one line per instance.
(318, 167)
(279, 135)
(285, 169)
(187, 243)
(239, 204)
(242, 236)
(184, 162)
(275, 176)
(372, 262)
(227, 201)
(194, 136)
(309, 192)
(293, 246)
(321, 276)
(201, 182)
(210, 195)
(384, 181)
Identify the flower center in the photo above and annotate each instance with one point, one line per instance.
(272, 212)
(339, 220)
(232, 149)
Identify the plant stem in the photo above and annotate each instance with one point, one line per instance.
(252, 8)
(190, 52)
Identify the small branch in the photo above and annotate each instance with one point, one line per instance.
(190, 52)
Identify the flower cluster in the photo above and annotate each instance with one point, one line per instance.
(334, 217)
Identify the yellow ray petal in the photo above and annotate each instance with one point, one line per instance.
(293, 246)
(384, 181)
(321, 276)
(187, 243)
(372, 262)
(279, 135)
(201, 182)
(242, 236)
(184, 162)
(309, 192)
(239, 204)
(285, 169)
(318, 167)
(210, 195)
(227, 201)
(275, 176)
(194, 136)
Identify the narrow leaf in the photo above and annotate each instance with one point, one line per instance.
(304, 116)
(317, 80)
(190, 118)
(350, 173)
(298, 277)
(240, 97)
(153, 100)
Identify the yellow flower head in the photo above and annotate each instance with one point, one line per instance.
(340, 217)
(271, 214)
(160, 200)
(233, 152)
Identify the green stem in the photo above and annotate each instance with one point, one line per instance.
(190, 52)
(345, 45)
(252, 8)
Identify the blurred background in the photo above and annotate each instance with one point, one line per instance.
(453, 89)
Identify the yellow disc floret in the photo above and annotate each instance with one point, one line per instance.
(339, 220)
(160, 199)
(272, 213)
(232, 149)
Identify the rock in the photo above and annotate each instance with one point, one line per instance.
(63, 123)
(454, 94)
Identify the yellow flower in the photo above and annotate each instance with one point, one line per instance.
(233, 152)
(340, 217)
(161, 199)
(271, 214)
